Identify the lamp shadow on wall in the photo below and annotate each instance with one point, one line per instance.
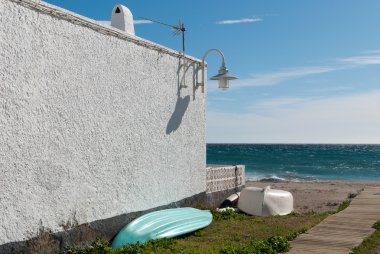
(182, 102)
(176, 118)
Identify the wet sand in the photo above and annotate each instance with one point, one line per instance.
(317, 196)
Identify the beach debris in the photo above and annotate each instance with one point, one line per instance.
(231, 201)
(352, 195)
(226, 209)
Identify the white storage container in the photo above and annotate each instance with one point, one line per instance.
(263, 202)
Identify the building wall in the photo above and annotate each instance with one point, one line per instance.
(92, 124)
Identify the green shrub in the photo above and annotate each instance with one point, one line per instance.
(344, 205)
(279, 243)
(376, 225)
(294, 235)
(97, 247)
(228, 215)
(273, 245)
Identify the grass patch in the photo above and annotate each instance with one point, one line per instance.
(228, 233)
(239, 230)
(103, 247)
(344, 205)
(228, 215)
(376, 225)
(371, 244)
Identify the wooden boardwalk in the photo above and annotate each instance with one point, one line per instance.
(341, 232)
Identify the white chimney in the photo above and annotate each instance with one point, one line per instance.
(122, 19)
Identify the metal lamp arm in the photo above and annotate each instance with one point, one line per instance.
(203, 65)
(213, 50)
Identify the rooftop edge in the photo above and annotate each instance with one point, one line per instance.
(77, 19)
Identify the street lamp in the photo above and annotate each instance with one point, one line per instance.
(223, 76)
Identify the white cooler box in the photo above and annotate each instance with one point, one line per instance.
(263, 202)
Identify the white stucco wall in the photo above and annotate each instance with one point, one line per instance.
(91, 125)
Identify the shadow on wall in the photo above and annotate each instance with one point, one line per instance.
(179, 112)
(182, 102)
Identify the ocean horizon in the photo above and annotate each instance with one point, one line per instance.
(300, 162)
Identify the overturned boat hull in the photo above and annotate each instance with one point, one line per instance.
(166, 223)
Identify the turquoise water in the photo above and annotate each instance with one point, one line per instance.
(300, 162)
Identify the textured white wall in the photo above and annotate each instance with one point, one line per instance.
(91, 126)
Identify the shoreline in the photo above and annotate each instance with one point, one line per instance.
(317, 196)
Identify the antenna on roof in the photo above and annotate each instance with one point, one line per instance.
(180, 28)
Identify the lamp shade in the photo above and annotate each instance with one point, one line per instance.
(223, 76)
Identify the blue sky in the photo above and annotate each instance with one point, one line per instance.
(309, 71)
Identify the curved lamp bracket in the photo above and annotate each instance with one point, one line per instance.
(223, 76)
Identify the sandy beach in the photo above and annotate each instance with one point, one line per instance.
(317, 196)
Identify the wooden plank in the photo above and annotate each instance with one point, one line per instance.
(342, 231)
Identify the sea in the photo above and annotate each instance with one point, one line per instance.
(300, 163)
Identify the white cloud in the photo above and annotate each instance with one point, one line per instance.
(275, 78)
(340, 119)
(238, 21)
(362, 60)
(337, 119)
(139, 22)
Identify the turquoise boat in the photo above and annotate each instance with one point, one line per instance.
(162, 224)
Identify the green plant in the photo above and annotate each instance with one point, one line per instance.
(99, 247)
(273, 245)
(370, 245)
(200, 233)
(279, 243)
(103, 247)
(376, 225)
(294, 235)
(228, 233)
(344, 205)
(228, 215)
